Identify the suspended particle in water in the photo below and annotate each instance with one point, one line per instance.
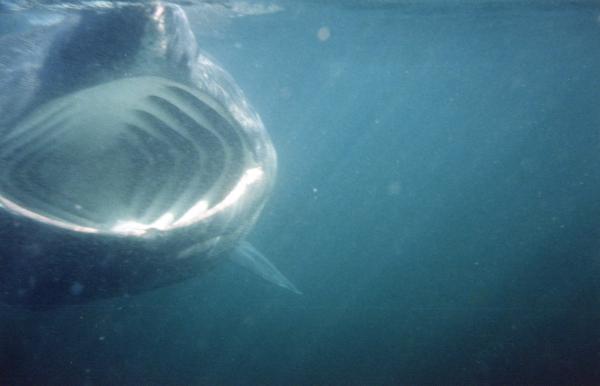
(285, 92)
(76, 288)
(394, 188)
(323, 34)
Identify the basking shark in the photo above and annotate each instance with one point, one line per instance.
(126, 164)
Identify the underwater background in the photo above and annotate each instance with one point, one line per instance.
(437, 203)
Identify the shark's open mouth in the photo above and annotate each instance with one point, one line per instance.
(126, 156)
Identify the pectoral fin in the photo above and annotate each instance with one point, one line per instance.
(248, 257)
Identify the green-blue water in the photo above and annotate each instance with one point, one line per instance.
(437, 202)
